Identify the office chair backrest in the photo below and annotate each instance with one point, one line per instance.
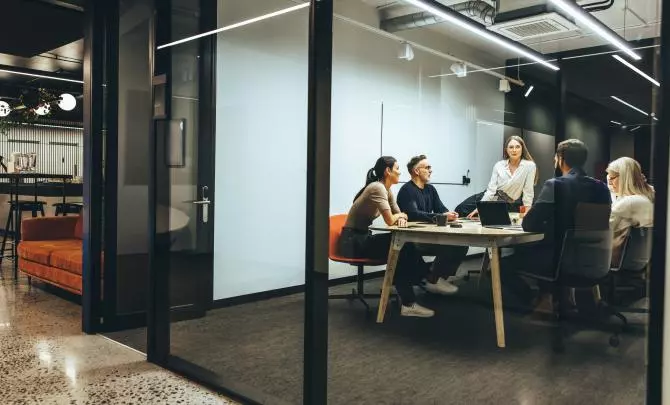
(336, 224)
(637, 251)
(586, 253)
(592, 217)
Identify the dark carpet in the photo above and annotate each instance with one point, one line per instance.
(449, 359)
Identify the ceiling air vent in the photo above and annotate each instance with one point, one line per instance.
(534, 27)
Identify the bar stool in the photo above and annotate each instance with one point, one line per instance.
(65, 208)
(22, 206)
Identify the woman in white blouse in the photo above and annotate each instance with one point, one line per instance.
(513, 177)
(633, 204)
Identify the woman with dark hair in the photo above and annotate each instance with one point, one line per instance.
(356, 240)
(513, 178)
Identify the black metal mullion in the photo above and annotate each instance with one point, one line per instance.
(158, 314)
(315, 381)
(110, 284)
(93, 120)
(207, 132)
(658, 274)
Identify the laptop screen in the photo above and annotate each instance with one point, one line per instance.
(493, 213)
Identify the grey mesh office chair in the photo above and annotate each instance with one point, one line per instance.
(635, 258)
(583, 262)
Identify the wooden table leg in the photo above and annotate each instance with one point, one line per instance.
(497, 296)
(486, 261)
(392, 261)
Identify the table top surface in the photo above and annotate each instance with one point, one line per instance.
(470, 228)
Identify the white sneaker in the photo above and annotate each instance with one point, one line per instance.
(442, 286)
(416, 310)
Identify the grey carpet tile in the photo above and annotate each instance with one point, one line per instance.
(449, 359)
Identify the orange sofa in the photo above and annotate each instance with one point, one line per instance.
(51, 251)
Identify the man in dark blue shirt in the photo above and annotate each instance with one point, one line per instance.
(420, 201)
(553, 213)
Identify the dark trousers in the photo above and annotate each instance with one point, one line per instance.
(537, 259)
(410, 268)
(447, 259)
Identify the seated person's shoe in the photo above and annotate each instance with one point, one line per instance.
(416, 310)
(442, 286)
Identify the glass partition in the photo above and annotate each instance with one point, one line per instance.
(237, 258)
(466, 125)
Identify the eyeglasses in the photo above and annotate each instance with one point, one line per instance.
(429, 168)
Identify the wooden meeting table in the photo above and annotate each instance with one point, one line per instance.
(470, 234)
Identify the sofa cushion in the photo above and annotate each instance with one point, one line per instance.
(40, 251)
(70, 260)
(63, 279)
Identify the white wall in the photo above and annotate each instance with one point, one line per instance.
(261, 133)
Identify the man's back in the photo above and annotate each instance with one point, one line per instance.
(554, 211)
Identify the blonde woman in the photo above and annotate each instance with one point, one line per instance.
(513, 177)
(633, 204)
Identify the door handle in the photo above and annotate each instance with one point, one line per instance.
(201, 202)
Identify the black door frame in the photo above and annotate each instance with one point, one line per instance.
(158, 322)
(98, 15)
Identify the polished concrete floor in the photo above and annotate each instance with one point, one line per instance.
(45, 359)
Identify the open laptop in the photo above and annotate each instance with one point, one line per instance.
(494, 214)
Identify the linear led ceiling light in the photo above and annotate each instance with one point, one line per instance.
(579, 14)
(455, 18)
(636, 128)
(630, 105)
(530, 89)
(237, 25)
(636, 70)
(14, 72)
(615, 122)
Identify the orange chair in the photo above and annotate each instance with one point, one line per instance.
(336, 224)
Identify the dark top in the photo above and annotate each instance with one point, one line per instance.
(420, 204)
(554, 210)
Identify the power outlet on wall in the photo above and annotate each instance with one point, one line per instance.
(466, 178)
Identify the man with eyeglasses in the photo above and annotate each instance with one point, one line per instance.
(420, 201)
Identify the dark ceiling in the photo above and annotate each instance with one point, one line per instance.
(42, 37)
(597, 78)
(34, 27)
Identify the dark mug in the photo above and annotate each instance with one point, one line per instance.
(441, 219)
